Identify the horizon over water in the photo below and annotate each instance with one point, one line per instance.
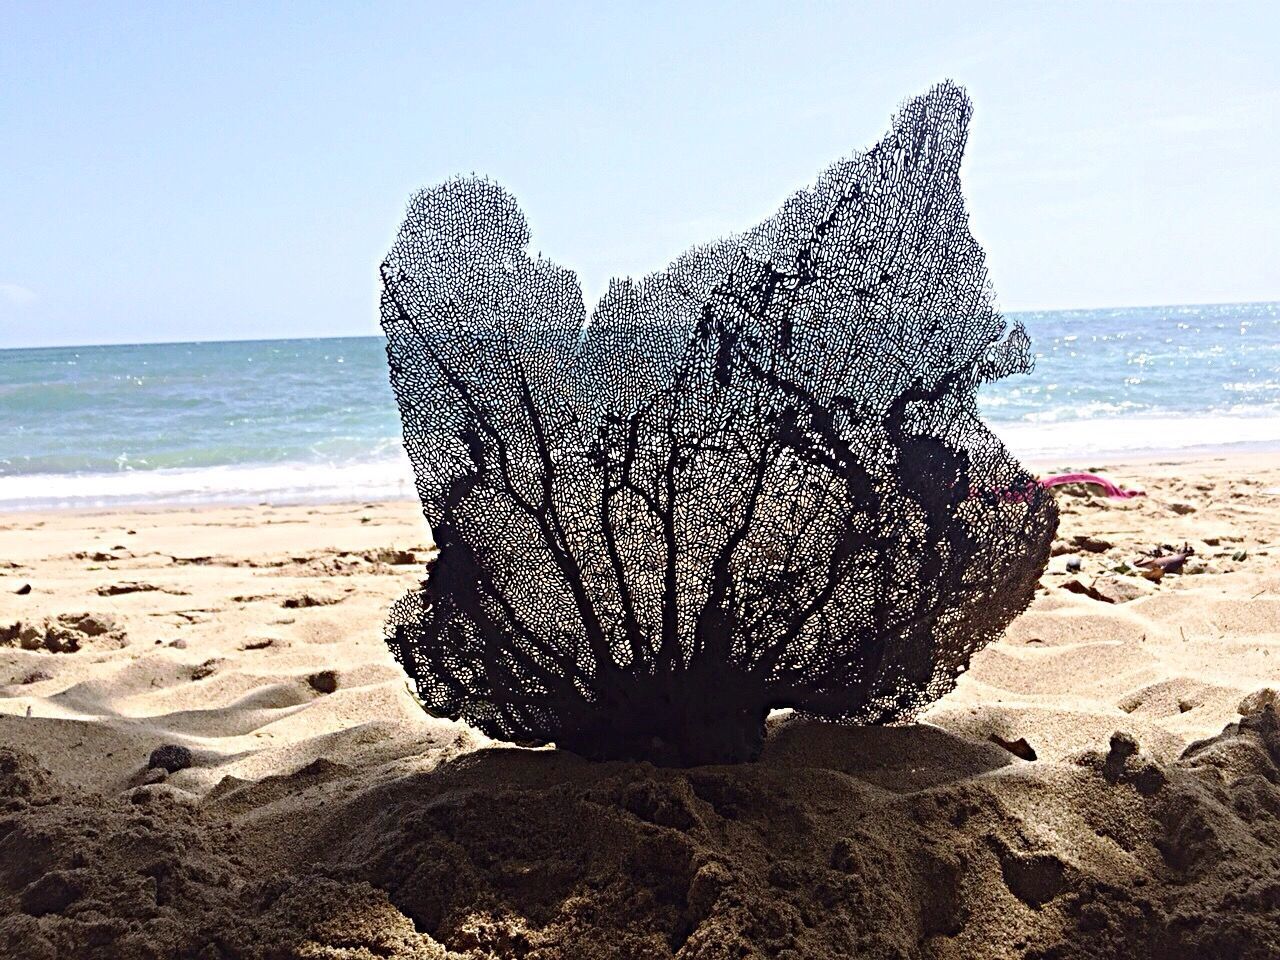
(315, 420)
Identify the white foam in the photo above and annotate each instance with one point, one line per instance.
(392, 478)
(274, 483)
(1117, 436)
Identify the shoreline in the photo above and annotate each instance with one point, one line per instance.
(1194, 458)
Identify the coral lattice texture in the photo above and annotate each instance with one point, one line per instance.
(755, 480)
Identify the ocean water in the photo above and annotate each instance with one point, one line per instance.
(298, 420)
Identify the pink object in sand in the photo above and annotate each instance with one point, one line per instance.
(1108, 488)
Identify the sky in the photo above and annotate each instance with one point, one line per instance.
(237, 170)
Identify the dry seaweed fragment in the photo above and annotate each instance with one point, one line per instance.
(755, 480)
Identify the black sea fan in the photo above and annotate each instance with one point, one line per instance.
(755, 480)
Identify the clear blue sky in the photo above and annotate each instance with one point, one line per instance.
(177, 171)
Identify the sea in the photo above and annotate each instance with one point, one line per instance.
(282, 421)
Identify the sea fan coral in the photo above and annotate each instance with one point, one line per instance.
(755, 480)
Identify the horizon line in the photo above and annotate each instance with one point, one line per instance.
(363, 336)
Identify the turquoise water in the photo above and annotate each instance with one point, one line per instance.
(315, 419)
(157, 406)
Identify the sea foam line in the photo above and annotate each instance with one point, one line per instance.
(1069, 443)
(1119, 436)
(275, 483)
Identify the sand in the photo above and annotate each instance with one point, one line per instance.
(206, 751)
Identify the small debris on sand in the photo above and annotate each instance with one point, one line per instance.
(135, 586)
(171, 757)
(205, 669)
(391, 556)
(98, 556)
(1019, 748)
(1108, 589)
(310, 600)
(1079, 586)
(1164, 560)
(116, 589)
(1092, 544)
(326, 681)
(66, 633)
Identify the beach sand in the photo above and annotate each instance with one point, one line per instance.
(313, 810)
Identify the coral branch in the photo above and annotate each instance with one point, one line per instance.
(747, 483)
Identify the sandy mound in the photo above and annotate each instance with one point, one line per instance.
(816, 851)
(151, 876)
(66, 633)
